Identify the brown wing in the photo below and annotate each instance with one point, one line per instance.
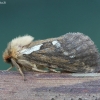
(71, 52)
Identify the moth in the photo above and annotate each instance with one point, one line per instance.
(72, 52)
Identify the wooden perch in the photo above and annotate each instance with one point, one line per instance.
(49, 86)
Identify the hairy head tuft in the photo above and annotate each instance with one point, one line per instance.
(15, 46)
(21, 41)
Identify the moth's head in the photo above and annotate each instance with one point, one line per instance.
(15, 46)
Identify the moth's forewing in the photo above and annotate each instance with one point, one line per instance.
(70, 52)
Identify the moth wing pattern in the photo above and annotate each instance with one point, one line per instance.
(72, 52)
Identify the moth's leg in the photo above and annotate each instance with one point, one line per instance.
(9, 68)
(38, 70)
(53, 70)
(18, 67)
(31, 66)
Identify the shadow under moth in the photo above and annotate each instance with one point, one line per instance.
(72, 52)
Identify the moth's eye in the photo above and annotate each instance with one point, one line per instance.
(8, 60)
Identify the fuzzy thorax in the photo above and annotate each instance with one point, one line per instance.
(15, 46)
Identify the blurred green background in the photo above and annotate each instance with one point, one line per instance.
(48, 18)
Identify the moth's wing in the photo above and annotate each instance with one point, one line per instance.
(71, 52)
(82, 51)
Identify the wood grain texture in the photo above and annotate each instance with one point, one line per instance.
(49, 86)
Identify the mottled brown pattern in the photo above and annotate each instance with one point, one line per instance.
(82, 47)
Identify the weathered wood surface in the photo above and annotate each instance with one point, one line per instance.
(49, 86)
